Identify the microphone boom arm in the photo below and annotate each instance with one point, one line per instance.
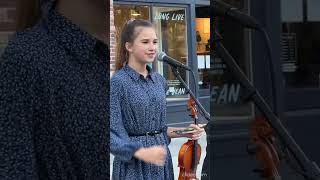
(188, 90)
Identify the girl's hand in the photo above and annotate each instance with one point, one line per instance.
(196, 133)
(155, 155)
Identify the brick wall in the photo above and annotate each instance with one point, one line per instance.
(112, 40)
(7, 21)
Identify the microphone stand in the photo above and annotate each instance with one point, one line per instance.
(175, 71)
(310, 169)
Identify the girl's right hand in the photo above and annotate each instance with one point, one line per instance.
(155, 155)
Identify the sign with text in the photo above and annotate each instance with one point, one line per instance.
(169, 16)
(225, 94)
(218, 67)
(175, 88)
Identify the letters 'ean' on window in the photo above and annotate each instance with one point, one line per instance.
(225, 91)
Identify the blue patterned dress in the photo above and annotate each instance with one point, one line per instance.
(137, 105)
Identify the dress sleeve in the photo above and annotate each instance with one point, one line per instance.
(121, 146)
(17, 103)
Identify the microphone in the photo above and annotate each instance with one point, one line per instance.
(223, 9)
(163, 57)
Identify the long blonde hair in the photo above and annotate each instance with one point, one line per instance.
(128, 34)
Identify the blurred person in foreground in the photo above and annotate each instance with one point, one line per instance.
(54, 92)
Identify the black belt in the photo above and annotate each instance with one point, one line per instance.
(150, 133)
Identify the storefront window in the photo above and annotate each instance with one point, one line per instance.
(225, 91)
(123, 13)
(203, 50)
(171, 26)
(301, 43)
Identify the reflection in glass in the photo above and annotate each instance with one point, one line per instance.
(301, 48)
(225, 92)
(171, 27)
(203, 50)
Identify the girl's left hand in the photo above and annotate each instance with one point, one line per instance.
(196, 133)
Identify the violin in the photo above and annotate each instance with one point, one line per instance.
(190, 152)
(262, 145)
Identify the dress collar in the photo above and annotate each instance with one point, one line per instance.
(136, 76)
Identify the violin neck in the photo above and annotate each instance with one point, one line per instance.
(194, 149)
(194, 155)
(195, 120)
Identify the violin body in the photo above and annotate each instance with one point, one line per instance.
(263, 141)
(188, 166)
(190, 152)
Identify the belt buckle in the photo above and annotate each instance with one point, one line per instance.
(152, 133)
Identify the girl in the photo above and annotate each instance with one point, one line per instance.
(139, 134)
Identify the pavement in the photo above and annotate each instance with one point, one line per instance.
(174, 147)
